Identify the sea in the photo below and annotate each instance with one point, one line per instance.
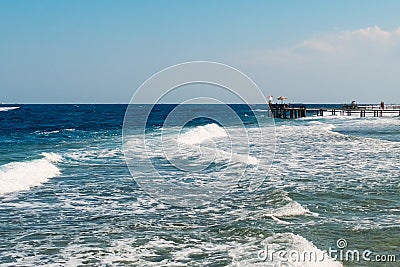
(69, 197)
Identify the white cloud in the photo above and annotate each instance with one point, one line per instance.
(352, 64)
(337, 44)
(374, 34)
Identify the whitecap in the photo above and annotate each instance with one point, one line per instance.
(297, 244)
(291, 209)
(254, 253)
(18, 176)
(8, 108)
(201, 133)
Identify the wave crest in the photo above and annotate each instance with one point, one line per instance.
(291, 209)
(18, 176)
(7, 108)
(293, 242)
(202, 133)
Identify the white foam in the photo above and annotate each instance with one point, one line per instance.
(97, 153)
(233, 157)
(291, 209)
(253, 253)
(322, 126)
(279, 221)
(18, 176)
(312, 128)
(242, 158)
(55, 131)
(137, 252)
(7, 108)
(122, 251)
(191, 146)
(202, 133)
(52, 157)
(48, 132)
(292, 242)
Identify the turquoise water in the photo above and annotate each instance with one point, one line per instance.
(67, 197)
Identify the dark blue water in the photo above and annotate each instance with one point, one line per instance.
(67, 197)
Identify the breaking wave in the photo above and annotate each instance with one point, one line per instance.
(293, 242)
(18, 176)
(202, 133)
(7, 108)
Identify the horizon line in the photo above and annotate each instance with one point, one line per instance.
(230, 103)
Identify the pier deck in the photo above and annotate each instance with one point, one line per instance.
(363, 112)
(294, 113)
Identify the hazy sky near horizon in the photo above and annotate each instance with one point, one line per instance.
(101, 51)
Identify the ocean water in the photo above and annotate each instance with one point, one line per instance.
(67, 197)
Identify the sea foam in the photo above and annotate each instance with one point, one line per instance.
(298, 245)
(293, 208)
(18, 176)
(212, 131)
(202, 133)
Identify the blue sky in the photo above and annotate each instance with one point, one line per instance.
(101, 51)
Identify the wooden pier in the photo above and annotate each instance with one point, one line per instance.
(283, 112)
(289, 113)
(362, 112)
